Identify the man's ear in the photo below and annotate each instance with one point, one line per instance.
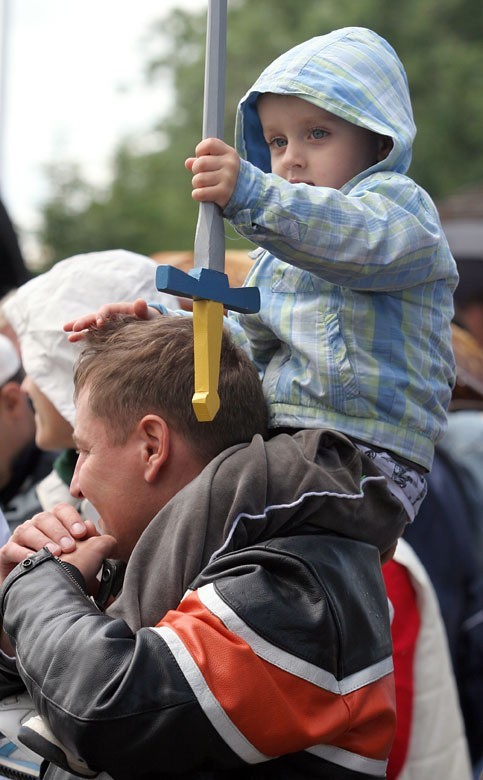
(384, 146)
(155, 443)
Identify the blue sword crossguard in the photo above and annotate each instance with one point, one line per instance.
(210, 292)
(207, 284)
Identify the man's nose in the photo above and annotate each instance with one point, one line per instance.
(74, 484)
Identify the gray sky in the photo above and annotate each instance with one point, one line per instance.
(72, 87)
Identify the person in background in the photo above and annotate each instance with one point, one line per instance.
(430, 740)
(453, 557)
(13, 271)
(469, 314)
(36, 312)
(22, 464)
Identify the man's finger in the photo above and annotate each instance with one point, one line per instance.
(70, 519)
(57, 531)
(31, 538)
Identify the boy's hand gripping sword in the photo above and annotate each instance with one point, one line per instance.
(206, 283)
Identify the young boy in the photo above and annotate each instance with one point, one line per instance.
(355, 274)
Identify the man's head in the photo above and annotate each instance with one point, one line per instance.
(17, 426)
(138, 438)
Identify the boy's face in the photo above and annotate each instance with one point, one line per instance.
(308, 145)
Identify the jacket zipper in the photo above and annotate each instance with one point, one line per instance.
(69, 574)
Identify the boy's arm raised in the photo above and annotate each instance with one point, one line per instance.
(138, 308)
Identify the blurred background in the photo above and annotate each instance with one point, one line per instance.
(101, 101)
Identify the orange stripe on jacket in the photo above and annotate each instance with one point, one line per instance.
(277, 712)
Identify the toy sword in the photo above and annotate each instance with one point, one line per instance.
(206, 283)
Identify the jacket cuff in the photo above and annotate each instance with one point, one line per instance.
(246, 195)
(29, 564)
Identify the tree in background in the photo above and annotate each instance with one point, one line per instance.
(147, 206)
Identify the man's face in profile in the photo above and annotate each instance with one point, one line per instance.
(111, 477)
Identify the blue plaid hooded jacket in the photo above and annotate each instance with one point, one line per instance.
(356, 284)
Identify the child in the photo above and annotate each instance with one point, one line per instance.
(355, 274)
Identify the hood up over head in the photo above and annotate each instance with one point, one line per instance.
(352, 73)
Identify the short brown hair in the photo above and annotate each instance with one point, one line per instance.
(135, 367)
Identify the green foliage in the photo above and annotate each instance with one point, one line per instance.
(147, 205)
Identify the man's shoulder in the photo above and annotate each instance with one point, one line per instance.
(319, 584)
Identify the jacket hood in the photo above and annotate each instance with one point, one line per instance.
(352, 73)
(313, 482)
(73, 287)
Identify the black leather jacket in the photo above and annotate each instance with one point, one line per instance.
(277, 664)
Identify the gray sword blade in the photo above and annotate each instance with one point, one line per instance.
(209, 245)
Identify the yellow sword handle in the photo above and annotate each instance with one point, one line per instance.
(207, 331)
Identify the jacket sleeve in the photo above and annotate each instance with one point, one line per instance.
(116, 699)
(124, 702)
(382, 235)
